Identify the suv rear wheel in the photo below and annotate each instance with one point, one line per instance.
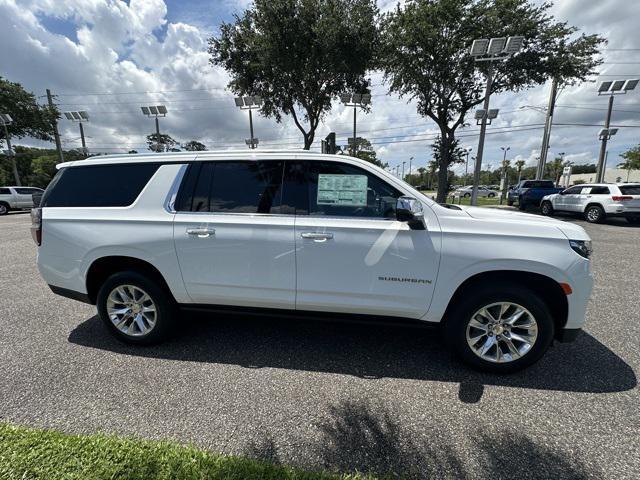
(500, 329)
(594, 214)
(4, 208)
(546, 208)
(135, 308)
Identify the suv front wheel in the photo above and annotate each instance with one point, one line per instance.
(500, 329)
(136, 309)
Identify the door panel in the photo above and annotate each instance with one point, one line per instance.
(377, 267)
(246, 260)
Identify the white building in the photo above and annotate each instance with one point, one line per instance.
(611, 175)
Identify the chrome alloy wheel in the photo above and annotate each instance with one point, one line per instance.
(593, 215)
(502, 332)
(131, 310)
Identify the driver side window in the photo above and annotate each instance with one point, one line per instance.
(341, 190)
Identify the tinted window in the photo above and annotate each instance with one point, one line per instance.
(338, 189)
(630, 189)
(236, 187)
(115, 185)
(539, 184)
(599, 191)
(5, 191)
(27, 191)
(573, 190)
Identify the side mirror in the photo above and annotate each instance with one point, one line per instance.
(409, 210)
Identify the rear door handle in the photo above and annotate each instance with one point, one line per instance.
(202, 232)
(317, 236)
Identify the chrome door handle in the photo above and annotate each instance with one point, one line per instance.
(201, 232)
(317, 236)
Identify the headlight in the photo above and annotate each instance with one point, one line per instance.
(581, 247)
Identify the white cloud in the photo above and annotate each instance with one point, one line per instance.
(133, 47)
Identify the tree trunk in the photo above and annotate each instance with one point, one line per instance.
(443, 169)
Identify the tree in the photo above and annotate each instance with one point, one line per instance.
(454, 154)
(631, 160)
(298, 55)
(433, 168)
(554, 169)
(194, 146)
(425, 56)
(366, 152)
(161, 143)
(519, 166)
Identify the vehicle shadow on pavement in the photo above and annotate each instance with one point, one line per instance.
(365, 351)
(368, 438)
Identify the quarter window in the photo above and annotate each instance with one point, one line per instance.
(599, 191)
(116, 185)
(5, 191)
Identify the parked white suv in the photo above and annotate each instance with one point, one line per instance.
(17, 198)
(296, 233)
(597, 201)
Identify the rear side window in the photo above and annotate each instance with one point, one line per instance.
(539, 184)
(116, 185)
(232, 187)
(5, 191)
(599, 191)
(27, 191)
(630, 189)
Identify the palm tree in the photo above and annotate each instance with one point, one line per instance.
(519, 166)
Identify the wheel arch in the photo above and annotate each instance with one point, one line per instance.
(593, 204)
(103, 267)
(546, 287)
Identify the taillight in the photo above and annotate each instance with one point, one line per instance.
(621, 198)
(36, 225)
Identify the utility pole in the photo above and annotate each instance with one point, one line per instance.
(603, 144)
(6, 120)
(56, 135)
(547, 130)
(355, 100)
(252, 102)
(410, 166)
(483, 130)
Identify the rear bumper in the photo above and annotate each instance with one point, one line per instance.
(567, 335)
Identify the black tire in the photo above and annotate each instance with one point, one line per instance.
(633, 220)
(546, 208)
(510, 203)
(459, 316)
(521, 205)
(165, 308)
(491, 195)
(594, 214)
(4, 208)
(466, 195)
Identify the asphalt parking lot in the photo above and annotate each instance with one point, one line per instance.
(344, 397)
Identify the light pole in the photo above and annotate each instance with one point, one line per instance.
(6, 120)
(403, 163)
(611, 88)
(155, 111)
(355, 100)
(494, 50)
(79, 117)
(252, 102)
(410, 167)
(505, 180)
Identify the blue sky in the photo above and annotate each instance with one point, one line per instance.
(154, 51)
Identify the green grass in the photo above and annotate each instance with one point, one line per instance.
(27, 453)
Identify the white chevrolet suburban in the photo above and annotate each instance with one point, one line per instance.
(303, 234)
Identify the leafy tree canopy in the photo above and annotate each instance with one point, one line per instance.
(194, 146)
(425, 56)
(631, 159)
(161, 143)
(365, 151)
(29, 118)
(298, 55)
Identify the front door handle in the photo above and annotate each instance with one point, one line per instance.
(317, 236)
(201, 232)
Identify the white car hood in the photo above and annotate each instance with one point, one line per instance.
(570, 230)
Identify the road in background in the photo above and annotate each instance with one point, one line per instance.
(343, 397)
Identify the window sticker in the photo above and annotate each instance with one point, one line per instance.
(342, 190)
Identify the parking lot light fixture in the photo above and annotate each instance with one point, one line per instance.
(155, 111)
(79, 117)
(611, 88)
(489, 50)
(355, 100)
(249, 102)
